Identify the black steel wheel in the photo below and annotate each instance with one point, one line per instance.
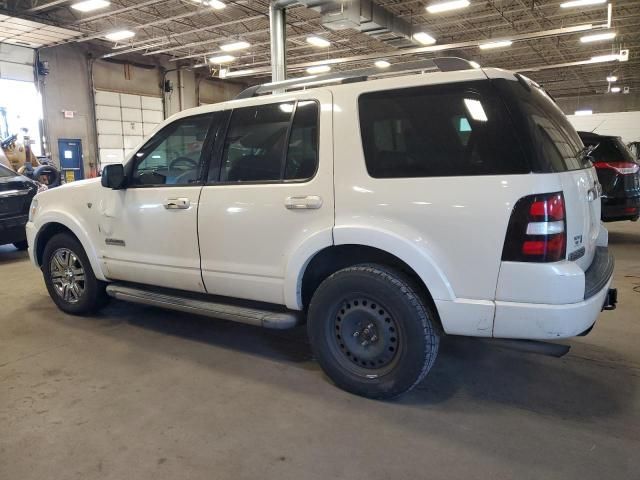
(371, 331)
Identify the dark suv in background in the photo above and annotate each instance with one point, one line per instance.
(619, 175)
(16, 192)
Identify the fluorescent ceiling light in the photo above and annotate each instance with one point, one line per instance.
(319, 69)
(231, 47)
(498, 44)
(215, 4)
(615, 89)
(222, 59)
(474, 64)
(605, 58)
(382, 64)
(474, 107)
(596, 37)
(583, 112)
(612, 78)
(581, 3)
(424, 38)
(119, 35)
(446, 6)
(90, 5)
(318, 41)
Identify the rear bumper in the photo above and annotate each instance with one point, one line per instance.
(12, 229)
(620, 208)
(538, 321)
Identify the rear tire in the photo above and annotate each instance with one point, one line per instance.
(371, 332)
(21, 245)
(69, 278)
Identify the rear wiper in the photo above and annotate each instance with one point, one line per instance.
(587, 151)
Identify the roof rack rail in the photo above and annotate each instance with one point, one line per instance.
(440, 64)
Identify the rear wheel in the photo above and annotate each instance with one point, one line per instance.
(371, 332)
(69, 277)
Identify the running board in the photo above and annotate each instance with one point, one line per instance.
(250, 316)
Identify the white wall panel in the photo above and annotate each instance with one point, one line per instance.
(131, 115)
(104, 112)
(130, 101)
(110, 141)
(132, 142)
(152, 116)
(147, 128)
(107, 98)
(109, 127)
(152, 103)
(619, 124)
(132, 128)
(108, 156)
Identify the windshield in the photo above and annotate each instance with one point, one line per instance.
(552, 141)
(6, 172)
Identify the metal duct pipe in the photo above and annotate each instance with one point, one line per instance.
(278, 37)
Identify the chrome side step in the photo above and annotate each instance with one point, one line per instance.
(251, 316)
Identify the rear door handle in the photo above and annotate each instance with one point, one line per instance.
(176, 203)
(309, 202)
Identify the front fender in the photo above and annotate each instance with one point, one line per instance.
(77, 228)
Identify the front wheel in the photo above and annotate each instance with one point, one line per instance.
(69, 277)
(371, 332)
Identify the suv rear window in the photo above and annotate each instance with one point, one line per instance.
(439, 130)
(610, 149)
(545, 132)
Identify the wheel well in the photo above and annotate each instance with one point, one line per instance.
(331, 259)
(45, 234)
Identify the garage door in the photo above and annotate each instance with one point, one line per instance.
(123, 121)
(16, 63)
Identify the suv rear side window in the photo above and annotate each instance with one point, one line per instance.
(269, 143)
(438, 131)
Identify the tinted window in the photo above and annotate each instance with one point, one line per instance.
(302, 154)
(610, 149)
(444, 130)
(548, 136)
(172, 156)
(255, 142)
(6, 172)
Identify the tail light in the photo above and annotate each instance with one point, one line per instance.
(623, 168)
(537, 230)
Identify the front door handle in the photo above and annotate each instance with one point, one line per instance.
(310, 202)
(176, 203)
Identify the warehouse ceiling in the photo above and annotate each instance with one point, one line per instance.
(189, 32)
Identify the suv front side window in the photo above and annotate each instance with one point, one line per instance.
(172, 156)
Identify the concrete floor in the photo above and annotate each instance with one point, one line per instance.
(139, 393)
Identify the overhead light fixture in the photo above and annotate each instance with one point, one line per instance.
(319, 69)
(382, 64)
(474, 107)
(447, 6)
(424, 38)
(498, 44)
(222, 59)
(581, 113)
(605, 58)
(615, 89)
(581, 3)
(215, 4)
(90, 5)
(119, 35)
(597, 37)
(232, 47)
(474, 64)
(612, 78)
(318, 41)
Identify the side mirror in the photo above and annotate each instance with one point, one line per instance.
(113, 177)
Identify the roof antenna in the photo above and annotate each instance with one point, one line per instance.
(598, 126)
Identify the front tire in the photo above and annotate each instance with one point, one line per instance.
(69, 278)
(371, 332)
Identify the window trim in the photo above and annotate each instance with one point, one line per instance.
(216, 161)
(158, 139)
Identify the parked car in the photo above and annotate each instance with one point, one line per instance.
(618, 173)
(16, 192)
(385, 213)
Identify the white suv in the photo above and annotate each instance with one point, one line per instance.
(385, 213)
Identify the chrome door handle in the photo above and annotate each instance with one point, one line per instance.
(176, 203)
(309, 202)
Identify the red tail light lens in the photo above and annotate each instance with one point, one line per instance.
(537, 230)
(624, 168)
